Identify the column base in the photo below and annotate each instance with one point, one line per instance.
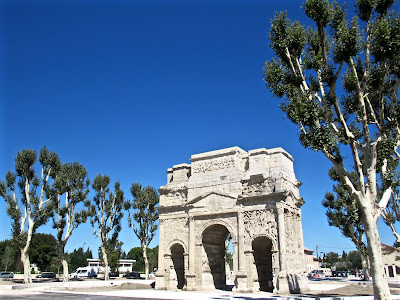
(282, 284)
(241, 283)
(190, 282)
(160, 282)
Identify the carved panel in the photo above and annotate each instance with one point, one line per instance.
(258, 184)
(258, 222)
(213, 165)
(176, 228)
(176, 196)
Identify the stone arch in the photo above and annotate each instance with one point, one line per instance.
(214, 264)
(269, 236)
(176, 241)
(178, 263)
(263, 263)
(199, 235)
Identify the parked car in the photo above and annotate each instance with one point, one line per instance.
(341, 273)
(316, 274)
(47, 275)
(131, 275)
(6, 275)
(114, 274)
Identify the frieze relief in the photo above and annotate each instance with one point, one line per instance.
(176, 228)
(213, 165)
(258, 222)
(174, 196)
(258, 185)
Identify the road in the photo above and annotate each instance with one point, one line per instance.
(66, 296)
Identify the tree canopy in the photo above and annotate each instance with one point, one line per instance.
(338, 82)
(145, 215)
(24, 192)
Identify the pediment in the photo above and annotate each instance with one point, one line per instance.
(213, 200)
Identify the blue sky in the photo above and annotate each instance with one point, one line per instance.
(131, 88)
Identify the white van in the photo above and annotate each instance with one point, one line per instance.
(89, 272)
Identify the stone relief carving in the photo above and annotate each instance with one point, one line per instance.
(174, 196)
(176, 228)
(253, 187)
(259, 222)
(213, 165)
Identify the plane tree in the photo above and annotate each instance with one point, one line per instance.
(106, 214)
(71, 204)
(143, 216)
(338, 81)
(27, 204)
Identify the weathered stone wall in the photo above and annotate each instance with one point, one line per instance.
(254, 197)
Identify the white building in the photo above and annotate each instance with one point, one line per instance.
(125, 265)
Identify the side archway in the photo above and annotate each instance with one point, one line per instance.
(178, 263)
(262, 248)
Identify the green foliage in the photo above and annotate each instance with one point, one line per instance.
(9, 255)
(343, 211)
(144, 212)
(354, 259)
(78, 258)
(43, 250)
(136, 253)
(331, 258)
(24, 192)
(72, 182)
(106, 213)
(114, 254)
(361, 117)
(106, 209)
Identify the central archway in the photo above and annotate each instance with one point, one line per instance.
(214, 275)
(262, 252)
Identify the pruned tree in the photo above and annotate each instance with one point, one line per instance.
(24, 193)
(69, 196)
(106, 214)
(355, 124)
(145, 215)
(343, 212)
(114, 254)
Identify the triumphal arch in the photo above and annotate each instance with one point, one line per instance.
(248, 199)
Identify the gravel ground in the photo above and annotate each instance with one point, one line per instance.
(349, 290)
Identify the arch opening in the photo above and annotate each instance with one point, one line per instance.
(262, 252)
(178, 262)
(215, 257)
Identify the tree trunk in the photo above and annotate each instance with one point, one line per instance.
(27, 266)
(146, 262)
(364, 264)
(381, 287)
(64, 262)
(105, 263)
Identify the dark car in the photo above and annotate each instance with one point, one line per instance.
(6, 275)
(47, 275)
(114, 274)
(132, 275)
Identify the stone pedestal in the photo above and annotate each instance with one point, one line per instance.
(160, 281)
(282, 284)
(190, 282)
(241, 283)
